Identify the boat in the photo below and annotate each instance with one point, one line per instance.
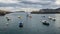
(8, 18)
(45, 23)
(54, 19)
(19, 16)
(21, 25)
(50, 17)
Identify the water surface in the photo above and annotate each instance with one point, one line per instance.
(30, 25)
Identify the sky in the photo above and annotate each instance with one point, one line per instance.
(28, 5)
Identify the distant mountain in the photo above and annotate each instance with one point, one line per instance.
(47, 11)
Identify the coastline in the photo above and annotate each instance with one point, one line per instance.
(45, 12)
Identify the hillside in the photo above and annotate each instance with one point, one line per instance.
(2, 12)
(47, 11)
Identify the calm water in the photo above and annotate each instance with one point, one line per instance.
(30, 25)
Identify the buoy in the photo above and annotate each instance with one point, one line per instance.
(45, 22)
(21, 25)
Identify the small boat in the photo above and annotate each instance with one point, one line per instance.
(8, 18)
(43, 16)
(45, 23)
(19, 16)
(50, 18)
(54, 19)
(20, 25)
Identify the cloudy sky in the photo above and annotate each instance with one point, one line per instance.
(28, 5)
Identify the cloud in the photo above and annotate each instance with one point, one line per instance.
(57, 2)
(18, 9)
(25, 3)
(29, 4)
(40, 3)
(8, 1)
(37, 2)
